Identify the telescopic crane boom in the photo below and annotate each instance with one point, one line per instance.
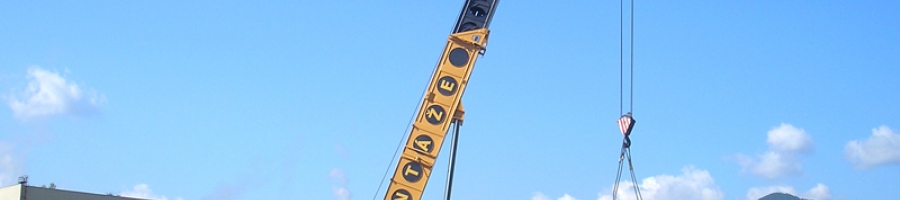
(441, 104)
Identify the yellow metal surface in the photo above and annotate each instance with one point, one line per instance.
(460, 114)
(442, 103)
(402, 192)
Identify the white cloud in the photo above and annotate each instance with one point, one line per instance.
(566, 197)
(883, 147)
(540, 196)
(819, 192)
(786, 146)
(143, 191)
(50, 94)
(771, 165)
(691, 184)
(339, 184)
(787, 138)
(9, 166)
(341, 193)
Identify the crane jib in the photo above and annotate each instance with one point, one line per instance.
(442, 102)
(433, 119)
(475, 14)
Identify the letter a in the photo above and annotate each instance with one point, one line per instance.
(423, 145)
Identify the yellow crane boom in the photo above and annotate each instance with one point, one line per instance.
(442, 102)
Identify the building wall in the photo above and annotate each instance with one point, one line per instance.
(39, 193)
(10, 192)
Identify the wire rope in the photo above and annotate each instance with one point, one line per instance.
(631, 91)
(626, 149)
(637, 188)
(621, 55)
(618, 174)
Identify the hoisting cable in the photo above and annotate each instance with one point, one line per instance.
(621, 56)
(631, 91)
(626, 122)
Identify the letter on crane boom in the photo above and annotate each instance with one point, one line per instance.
(442, 100)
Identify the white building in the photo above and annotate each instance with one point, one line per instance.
(25, 192)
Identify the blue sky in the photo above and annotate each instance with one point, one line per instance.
(308, 100)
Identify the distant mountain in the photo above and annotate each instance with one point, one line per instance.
(780, 196)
